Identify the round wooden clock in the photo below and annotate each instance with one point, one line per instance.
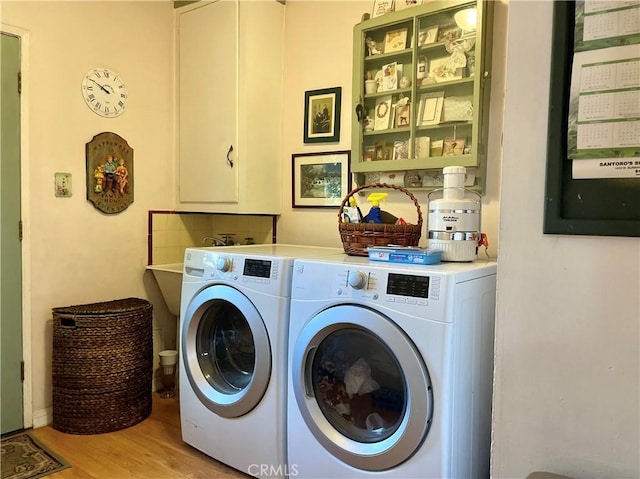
(104, 92)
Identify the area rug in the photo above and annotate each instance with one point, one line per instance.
(24, 457)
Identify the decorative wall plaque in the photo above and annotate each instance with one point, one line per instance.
(109, 173)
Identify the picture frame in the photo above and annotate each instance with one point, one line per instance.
(382, 113)
(395, 40)
(453, 146)
(430, 112)
(322, 115)
(321, 179)
(441, 72)
(380, 7)
(449, 33)
(428, 35)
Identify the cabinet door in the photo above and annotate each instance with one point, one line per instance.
(208, 104)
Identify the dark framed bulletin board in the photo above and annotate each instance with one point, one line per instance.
(600, 206)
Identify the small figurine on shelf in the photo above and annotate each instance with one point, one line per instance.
(374, 48)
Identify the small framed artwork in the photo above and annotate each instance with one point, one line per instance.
(395, 40)
(384, 152)
(403, 114)
(320, 180)
(428, 35)
(382, 116)
(430, 108)
(441, 70)
(401, 150)
(380, 7)
(449, 33)
(453, 146)
(322, 115)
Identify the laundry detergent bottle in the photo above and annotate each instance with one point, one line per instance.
(375, 215)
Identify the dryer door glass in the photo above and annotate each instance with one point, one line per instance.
(225, 347)
(359, 385)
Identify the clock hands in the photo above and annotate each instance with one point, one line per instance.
(101, 87)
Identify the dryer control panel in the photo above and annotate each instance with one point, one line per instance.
(265, 274)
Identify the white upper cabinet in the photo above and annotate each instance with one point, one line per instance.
(230, 76)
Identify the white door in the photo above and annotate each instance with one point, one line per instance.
(361, 387)
(226, 351)
(208, 139)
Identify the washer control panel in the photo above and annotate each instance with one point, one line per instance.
(384, 286)
(255, 272)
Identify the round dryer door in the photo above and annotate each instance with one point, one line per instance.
(362, 387)
(226, 351)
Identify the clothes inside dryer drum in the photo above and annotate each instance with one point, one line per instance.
(359, 385)
(225, 347)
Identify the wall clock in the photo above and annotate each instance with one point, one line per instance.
(104, 92)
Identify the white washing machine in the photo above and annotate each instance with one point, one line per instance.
(390, 369)
(234, 320)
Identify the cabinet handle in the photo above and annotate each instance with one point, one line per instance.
(229, 160)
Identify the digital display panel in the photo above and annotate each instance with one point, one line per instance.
(408, 285)
(259, 268)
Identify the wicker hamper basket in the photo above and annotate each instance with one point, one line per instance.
(102, 365)
(357, 237)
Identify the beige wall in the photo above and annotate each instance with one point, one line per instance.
(567, 349)
(77, 254)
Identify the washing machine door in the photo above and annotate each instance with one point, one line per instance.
(362, 387)
(226, 351)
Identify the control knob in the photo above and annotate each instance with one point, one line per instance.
(223, 263)
(357, 279)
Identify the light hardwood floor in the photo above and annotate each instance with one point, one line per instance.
(152, 448)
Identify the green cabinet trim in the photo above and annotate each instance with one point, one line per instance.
(448, 110)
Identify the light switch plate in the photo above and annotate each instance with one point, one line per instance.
(63, 184)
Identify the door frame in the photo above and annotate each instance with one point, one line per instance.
(27, 385)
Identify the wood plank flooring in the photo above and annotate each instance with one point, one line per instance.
(151, 449)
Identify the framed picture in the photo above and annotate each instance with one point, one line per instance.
(440, 69)
(453, 146)
(428, 35)
(395, 40)
(430, 108)
(320, 180)
(449, 33)
(380, 7)
(401, 150)
(382, 110)
(322, 115)
(384, 151)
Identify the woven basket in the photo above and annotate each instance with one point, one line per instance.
(357, 237)
(102, 366)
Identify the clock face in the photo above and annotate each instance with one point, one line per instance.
(104, 92)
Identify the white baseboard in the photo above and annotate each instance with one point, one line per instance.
(42, 417)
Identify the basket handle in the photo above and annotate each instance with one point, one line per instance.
(345, 201)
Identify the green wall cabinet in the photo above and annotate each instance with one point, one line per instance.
(421, 87)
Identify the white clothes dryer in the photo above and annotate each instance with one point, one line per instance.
(390, 369)
(234, 320)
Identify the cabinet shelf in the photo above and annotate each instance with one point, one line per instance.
(464, 98)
